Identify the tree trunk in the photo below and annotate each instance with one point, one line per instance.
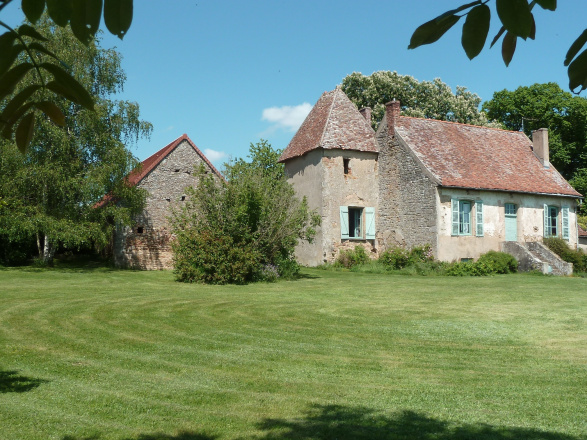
(48, 250)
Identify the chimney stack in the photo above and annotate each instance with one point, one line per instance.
(540, 145)
(366, 112)
(392, 110)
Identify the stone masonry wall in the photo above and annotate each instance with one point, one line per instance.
(407, 198)
(147, 245)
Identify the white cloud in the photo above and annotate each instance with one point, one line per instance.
(287, 117)
(215, 156)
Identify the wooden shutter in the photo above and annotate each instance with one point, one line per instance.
(455, 216)
(565, 222)
(344, 222)
(546, 222)
(479, 218)
(370, 223)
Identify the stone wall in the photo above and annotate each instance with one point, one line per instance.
(147, 244)
(408, 198)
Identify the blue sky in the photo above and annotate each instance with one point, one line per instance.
(229, 73)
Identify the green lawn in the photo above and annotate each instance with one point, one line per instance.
(104, 354)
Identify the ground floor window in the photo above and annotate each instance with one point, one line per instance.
(357, 223)
(556, 221)
(462, 217)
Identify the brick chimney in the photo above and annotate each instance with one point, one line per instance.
(540, 145)
(366, 112)
(392, 115)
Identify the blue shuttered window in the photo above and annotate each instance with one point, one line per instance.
(357, 223)
(461, 217)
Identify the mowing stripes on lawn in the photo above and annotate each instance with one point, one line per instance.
(134, 355)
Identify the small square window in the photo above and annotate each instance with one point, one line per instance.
(183, 198)
(140, 230)
(177, 170)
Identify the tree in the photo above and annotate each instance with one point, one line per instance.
(19, 55)
(517, 21)
(51, 192)
(425, 99)
(547, 105)
(243, 228)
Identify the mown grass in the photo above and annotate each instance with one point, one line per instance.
(106, 354)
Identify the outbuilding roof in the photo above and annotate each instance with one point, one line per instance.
(151, 162)
(468, 156)
(333, 123)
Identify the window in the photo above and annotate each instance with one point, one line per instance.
(550, 221)
(346, 165)
(462, 217)
(183, 198)
(140, 230)
(510, 209)
(357, 223)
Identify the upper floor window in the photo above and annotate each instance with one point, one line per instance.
(346, 162)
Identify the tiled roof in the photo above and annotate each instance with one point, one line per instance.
(468, 156)
(151, 162)
(582, 232)
(333, 123)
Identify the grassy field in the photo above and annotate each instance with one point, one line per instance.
(105, 354)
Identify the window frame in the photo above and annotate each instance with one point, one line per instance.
(458, 217)
(366, 220)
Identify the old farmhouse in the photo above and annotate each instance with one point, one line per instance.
(463, 189)
(165, 176)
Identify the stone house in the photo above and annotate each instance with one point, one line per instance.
(462, 189)
(165, 176)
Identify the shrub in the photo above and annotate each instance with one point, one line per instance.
(213, 258)
(352, 257)
(242, 228)
(399, 258)
(396, 258)
(562, 249)
(499, 262)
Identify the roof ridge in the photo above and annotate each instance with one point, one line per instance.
(328, 117)
(463, 123)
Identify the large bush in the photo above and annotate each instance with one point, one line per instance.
(562, 249)
(243, 228)
(352, 257)
(399, 258)
(499, 262)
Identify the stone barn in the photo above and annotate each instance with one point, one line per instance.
(165, 176)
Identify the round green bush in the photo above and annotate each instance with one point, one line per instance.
(499, 262)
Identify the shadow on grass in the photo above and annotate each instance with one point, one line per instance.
(185, 435)
(11, 382)
(357, 423)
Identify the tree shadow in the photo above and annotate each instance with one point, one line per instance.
(183, 435)
(323, 422)
(12, 382)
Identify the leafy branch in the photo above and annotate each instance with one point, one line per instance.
(19, 57)
(517, 21)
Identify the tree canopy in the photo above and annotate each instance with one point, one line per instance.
(517, 19)
(21, 51)
(51, 192)
(425, 99)
(547, 105)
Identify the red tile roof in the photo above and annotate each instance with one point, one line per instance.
(582, 232)
(468, 156)
(333, 123)
(151, 162)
